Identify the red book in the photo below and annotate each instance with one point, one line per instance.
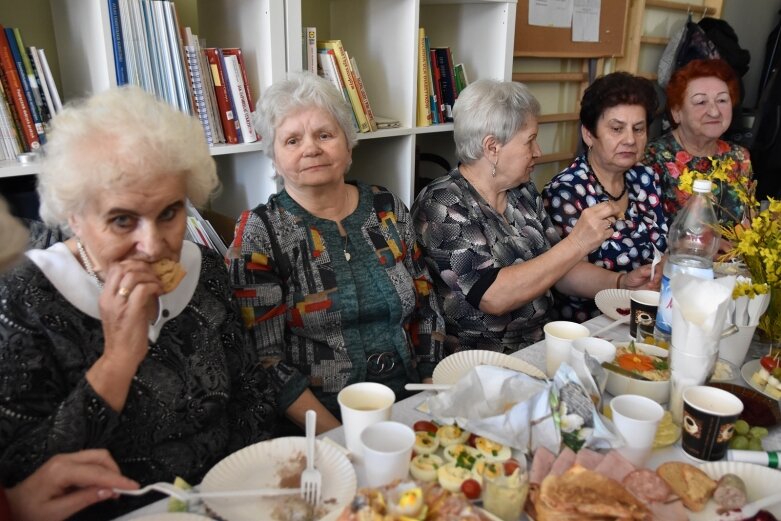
(15, 93)
(227, 116)
(235, 51)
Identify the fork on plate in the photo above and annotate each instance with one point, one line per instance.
(186, 495)
(311, 479)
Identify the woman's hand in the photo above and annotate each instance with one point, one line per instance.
(66, 484)
(640, 278)
(595, 226)
(127, 304)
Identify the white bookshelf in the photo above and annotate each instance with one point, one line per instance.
(381, 34)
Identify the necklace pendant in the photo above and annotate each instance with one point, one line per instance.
(347, 255)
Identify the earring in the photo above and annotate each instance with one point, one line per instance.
(493, 170)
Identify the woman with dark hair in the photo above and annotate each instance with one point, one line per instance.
(700, 99)
(615, 113)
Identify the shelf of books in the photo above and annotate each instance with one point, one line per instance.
(414, 57)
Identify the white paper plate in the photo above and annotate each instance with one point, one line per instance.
(452, 368)
(264, 464)
(609, 301)
(173, 516)
(760, 482)
(748, 369)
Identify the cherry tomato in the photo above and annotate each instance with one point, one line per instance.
(425, 426)
(768, 362)
(509, 466)
(471, 489)
(471, 440)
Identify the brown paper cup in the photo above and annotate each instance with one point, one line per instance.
(709, 416)
(642, 313)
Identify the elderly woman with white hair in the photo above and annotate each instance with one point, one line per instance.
(328, 272)
(99, 348)
(491, 248)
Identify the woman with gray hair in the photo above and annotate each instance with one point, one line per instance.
(126, 337)
(328, 272)
(491, 248)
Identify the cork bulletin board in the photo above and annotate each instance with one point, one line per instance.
(541, 42)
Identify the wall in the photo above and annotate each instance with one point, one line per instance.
(752, 20)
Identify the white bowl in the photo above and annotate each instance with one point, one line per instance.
(618, 384)
(602, 350)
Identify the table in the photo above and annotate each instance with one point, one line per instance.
(405, 411)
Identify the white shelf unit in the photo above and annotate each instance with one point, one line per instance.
(83, 36)
(382, 35)
(16, 169)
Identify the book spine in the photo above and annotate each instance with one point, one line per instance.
(28, 69)
(235, 51)
(120, 67)
(240, 97)
(424, 116)
(16, 94)
(199, 98)
(211, 98)
(16, 53)
(432, 95)
(367, 108)
(221, 93)
(436, 80)
(184, 90)
(345, 71)
(47, 73)
(331, 72)
(47, 110)
(310, 47)
(446, 83)
(11, 139)
(234, 103)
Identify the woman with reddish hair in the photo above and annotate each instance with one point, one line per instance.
(700, 99)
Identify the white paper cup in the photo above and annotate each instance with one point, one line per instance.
(387, 448)
(363, 404)
(733, 348)
(636, 419)
(602, 350)
(687, 370)
(558, 342)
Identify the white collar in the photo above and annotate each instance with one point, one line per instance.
(66, 274)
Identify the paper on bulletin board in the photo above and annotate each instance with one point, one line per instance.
(550, 13)
(585, 20)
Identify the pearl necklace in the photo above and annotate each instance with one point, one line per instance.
(86, 262)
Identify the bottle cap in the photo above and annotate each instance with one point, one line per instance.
(702, 185)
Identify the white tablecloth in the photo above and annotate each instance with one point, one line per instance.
(406, 411)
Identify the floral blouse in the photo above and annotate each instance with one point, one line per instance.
(669, 160)
(631, 245)
(466, 243)
(316, 316)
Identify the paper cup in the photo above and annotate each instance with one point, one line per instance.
(687, 370)
(709, 416)
(387, 449)
(642, 313)
(734, 348)
(599, 348)
(363, 404)
(558, 342)
(636, 419)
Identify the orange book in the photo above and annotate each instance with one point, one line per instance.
(15, 93)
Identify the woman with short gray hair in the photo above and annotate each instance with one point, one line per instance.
(328, 272)
(490, 246)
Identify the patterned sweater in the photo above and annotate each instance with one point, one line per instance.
(314, 315)
(198, 396)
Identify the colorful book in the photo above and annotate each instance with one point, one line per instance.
(15, 93)
(367, 107)
(345, 70)
(239, 93)
(236, 51)
(310, 49)
(115, 24)
(445, 64)
(227, 116)
(462, 81)
(30, 72)
(331, 73)
(424, 117)
(12, 144)
(436, 81)
(199, 98)
(17, 54)
(432, 93)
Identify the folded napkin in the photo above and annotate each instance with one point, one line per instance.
(700, 309)
(746, 310)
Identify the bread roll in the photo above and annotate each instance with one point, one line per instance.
(169, 272)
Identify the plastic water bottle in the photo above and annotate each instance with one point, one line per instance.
(693, 239)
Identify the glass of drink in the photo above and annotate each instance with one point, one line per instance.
(504, 496)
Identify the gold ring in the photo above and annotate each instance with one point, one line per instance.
(123, 292)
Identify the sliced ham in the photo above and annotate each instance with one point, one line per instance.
(541, 465)
(615, 466)
(564, 461)
(589, 459)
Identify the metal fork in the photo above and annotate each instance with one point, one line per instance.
(751, 509)
(311, 479)
(186, 495)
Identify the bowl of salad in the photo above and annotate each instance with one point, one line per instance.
(639, 369)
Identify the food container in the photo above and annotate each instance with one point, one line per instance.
(658, 391)
(504, 496)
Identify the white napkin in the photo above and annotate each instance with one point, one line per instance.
(657, 259)
(699, 312)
